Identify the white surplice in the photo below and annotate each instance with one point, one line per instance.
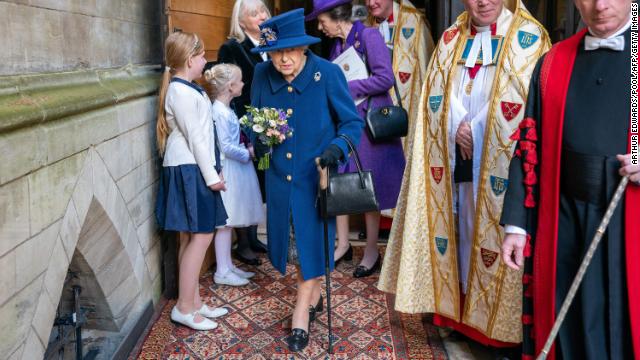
(472, 108)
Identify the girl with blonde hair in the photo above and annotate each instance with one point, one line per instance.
(244, 35)
(242, 198)
(188, 200)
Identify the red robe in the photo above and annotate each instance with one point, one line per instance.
(558, 66)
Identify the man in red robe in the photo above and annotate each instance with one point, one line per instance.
(573, 147)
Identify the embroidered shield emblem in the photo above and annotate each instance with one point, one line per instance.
(510, 110)
(497, 43)
(436, 173)
(526, 39)
(407, 32)
(404, 77)
(434, 102)
(441, 245)
(498, 185)
(488, 257)
(449, 35)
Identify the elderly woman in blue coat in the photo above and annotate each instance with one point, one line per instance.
(314, 93)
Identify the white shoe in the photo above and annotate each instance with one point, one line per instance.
(188, 320)
(216, 312)
(230, 278)
(243, 274)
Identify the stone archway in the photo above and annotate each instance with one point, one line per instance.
(98, 241)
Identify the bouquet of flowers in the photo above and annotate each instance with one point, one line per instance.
(270, 126)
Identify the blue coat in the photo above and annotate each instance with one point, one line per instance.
(321, 108)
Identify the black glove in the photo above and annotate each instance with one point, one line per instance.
(330, 156)
(260, 149)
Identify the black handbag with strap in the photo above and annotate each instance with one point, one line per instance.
(387, 122)
(350, 193)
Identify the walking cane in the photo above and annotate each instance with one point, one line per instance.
(583, 268)
(322, 191)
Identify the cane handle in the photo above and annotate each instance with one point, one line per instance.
(324, 176)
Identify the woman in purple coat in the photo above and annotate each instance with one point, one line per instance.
(384, 159)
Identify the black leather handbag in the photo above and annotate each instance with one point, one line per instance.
(387, 122)
(350, 193)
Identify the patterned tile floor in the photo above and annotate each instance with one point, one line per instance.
(259, 320)
(364, 326)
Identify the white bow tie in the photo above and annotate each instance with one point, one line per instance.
(615, 43)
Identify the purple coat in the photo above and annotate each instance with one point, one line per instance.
(384, 159)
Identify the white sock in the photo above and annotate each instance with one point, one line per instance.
(223, 251)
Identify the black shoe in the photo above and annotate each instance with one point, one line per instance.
(314, 310)
(348, 256)
(258, 246)
(298, 340)
(362, 271)
(255, 244)
(254, 262)
(362, 235)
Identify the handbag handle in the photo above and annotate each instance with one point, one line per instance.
(395, 88)
(353, 150)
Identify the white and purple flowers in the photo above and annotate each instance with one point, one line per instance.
(270, 126)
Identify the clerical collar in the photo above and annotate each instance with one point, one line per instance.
(480, 29)
(619, 32)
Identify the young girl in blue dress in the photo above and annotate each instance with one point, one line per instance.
(189, 198)
(242, 198)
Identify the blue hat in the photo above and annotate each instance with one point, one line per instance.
(320, 6)
(284, 31)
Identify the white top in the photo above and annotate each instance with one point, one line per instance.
(228, 128)
(191, 138)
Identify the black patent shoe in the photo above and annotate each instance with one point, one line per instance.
(348, 256)
(298, 340)
(253, 262)
(314, 310)
(362, 271)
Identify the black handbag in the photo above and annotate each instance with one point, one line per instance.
(387, 122)
(350, 193)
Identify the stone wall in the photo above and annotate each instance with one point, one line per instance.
(78, 172)
(61, 35)
(77, 179)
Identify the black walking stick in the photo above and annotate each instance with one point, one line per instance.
(322, 195)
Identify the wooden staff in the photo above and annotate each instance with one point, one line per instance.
(583, 267)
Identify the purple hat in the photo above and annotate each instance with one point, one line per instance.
(320, 6)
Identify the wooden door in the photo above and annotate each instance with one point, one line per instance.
(210, 19)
